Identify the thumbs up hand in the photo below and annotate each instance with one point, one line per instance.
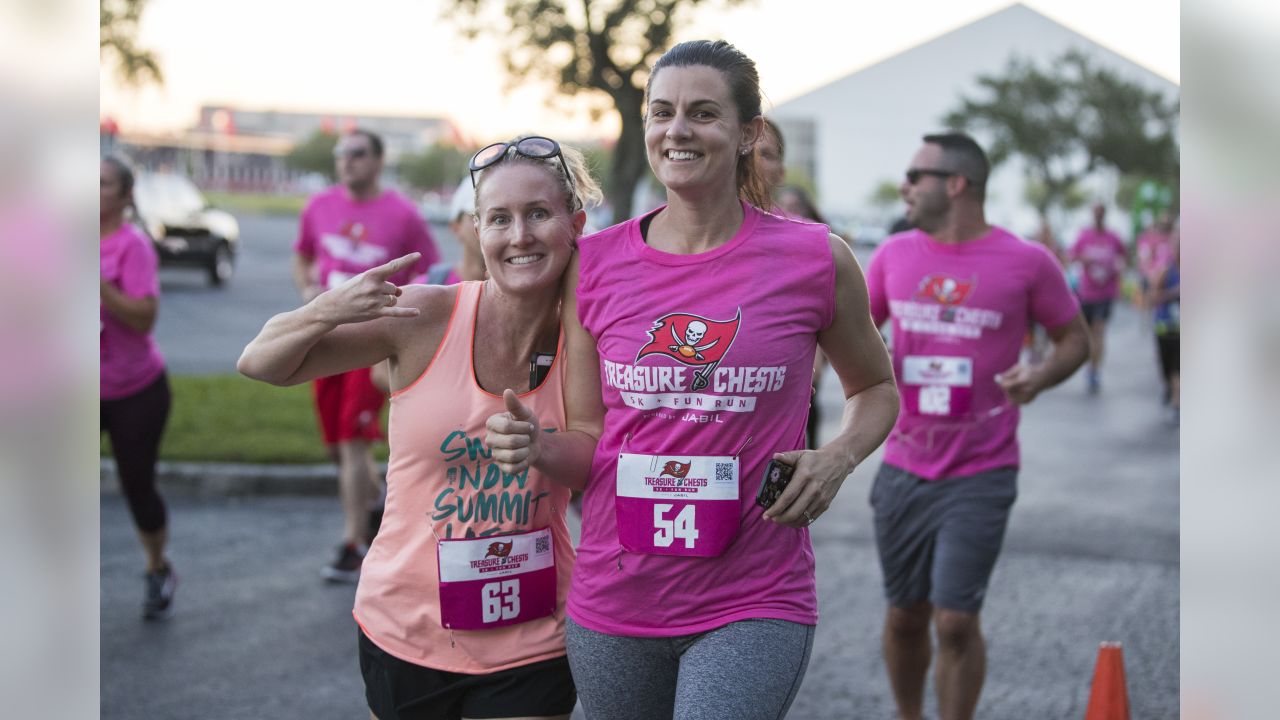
(513, 436)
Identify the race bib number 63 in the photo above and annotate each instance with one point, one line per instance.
(497, 581)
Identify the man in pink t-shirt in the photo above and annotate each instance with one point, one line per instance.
(1099, 257)
(345, 230)
(961, 295)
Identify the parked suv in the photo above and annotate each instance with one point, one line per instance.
(187, 232)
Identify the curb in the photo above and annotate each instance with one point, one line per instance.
(201, 479)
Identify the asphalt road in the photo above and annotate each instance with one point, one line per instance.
(1091, 555)
(202, 329)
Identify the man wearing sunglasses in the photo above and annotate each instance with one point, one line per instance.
(345, 230)
(961, 294)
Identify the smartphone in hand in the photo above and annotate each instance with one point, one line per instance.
(776, 477)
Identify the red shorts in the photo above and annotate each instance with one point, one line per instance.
(348, 405)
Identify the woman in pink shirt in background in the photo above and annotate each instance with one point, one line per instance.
(133, 391)
(691, 334)
(1100, 258)
(460, 605)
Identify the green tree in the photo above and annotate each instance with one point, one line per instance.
(438, 166)
(1036, 195)
(886, 195)
(600, 162)
(315, 154)
(117, 41)
(1066, 121)
(604, 48)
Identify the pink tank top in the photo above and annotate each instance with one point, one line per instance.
(700, 355)
(441, 484)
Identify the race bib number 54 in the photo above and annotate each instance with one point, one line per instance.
(677, 505)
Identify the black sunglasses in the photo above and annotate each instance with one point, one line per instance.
(353, 153)
(535, 147)
(914, 174)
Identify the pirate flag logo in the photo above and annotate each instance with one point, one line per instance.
(693, 340)
(354, 231)
(499, 549)
(944, 289)
(676, 469)
(947, 291)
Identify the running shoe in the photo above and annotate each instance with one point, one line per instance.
(346, 566)
(160, 586)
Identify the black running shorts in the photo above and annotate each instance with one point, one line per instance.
(400, 690)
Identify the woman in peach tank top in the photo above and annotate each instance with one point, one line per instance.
(461, 599)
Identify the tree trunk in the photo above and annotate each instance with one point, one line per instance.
(629, 159)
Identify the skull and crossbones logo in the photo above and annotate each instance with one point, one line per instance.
(693, 334)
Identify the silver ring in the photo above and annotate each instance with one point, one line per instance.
(807, 517)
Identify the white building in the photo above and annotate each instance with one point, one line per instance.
(853, 134)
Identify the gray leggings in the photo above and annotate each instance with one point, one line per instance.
(747, 670)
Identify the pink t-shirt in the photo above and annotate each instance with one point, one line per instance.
(347, 237)
(1101, 256)
(960, 313)
(706, 355)
(130, 360)
(1155, 253)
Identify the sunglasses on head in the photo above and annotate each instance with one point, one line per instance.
(535, 148)
(352, 153)
(914, 174)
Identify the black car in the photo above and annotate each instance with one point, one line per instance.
(187, 232)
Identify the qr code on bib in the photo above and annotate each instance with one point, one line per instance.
(724, 472)
(542, 544)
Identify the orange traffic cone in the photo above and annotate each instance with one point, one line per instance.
(1109, 699)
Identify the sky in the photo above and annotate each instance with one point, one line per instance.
(404, 57)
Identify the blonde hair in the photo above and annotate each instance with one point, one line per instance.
(585, 191)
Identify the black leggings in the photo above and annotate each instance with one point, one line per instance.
(135, 424)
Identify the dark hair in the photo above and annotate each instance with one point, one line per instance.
(967, 155)
(375, 140)
(772, 129)
(810, 210)
(744, 87)
(124, 170)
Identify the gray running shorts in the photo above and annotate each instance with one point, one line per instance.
(746, 670)
(938, 541)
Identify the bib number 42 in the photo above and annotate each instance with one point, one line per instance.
(501, 600)
(680, 527)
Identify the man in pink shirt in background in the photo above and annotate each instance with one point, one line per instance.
(1100, 258)
(961, 295)
(352, 227)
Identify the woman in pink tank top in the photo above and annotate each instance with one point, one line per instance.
(691, 334)
(460, 605)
